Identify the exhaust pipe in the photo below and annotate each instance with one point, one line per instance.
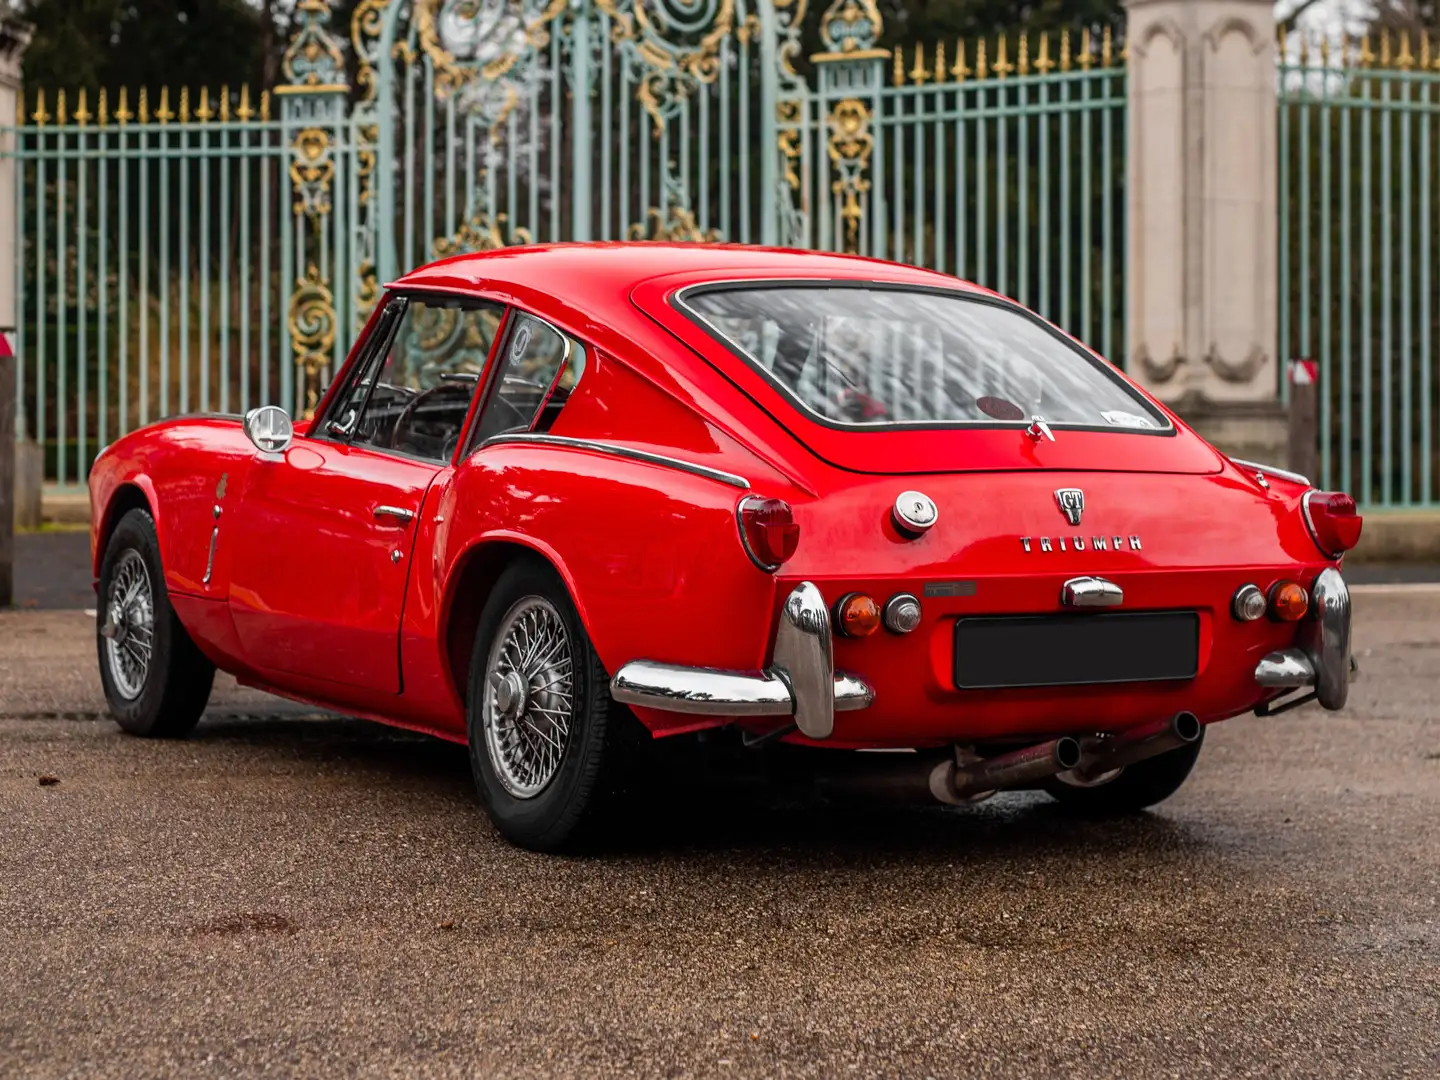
(960, 784)
(912, 777)
(1110, 753)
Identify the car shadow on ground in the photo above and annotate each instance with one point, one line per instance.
(692, 800)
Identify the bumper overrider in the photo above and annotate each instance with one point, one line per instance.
(1322, 659)
(801, 681)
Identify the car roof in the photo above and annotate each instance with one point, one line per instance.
(588, 277)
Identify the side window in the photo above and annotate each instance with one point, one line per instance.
(416, 395)
(537, 370)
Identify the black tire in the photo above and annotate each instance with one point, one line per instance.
(582, 786)
(176, 683)
(1140, 786)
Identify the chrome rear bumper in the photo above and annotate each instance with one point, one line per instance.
(1322, 660)
(801, 681)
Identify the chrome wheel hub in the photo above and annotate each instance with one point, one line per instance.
(129, 630)
(529, 697)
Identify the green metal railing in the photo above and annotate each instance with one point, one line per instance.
(148, 261)
(1359, 187)
(215, 251)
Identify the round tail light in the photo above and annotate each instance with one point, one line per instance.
(1249, 604)
(857, 615)
(1289, 602)
(768, 531)
(1333, 523)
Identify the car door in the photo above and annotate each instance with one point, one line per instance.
(325, 530)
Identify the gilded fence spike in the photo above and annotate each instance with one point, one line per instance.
(1385, 48)
(1087, 50)
(264, 104)
(82, 112)
(1002, 66)
(939, 61)
(981, 70)
(1366, 56)
(243, 110)
(899, 68)
(918, 74)
(184, 104)
(1043, 64)
(1105, 48)
(1304, 49)
(20, 107)
(60, 117)
(41, 117)
(204, 112)
(959, 70)
(163, 113)
(122, 110)
(1325, 51)
(1064, 50)
(102, 109)
(1406, 60)
(1022, 65)
(224, 104)
(142, 111)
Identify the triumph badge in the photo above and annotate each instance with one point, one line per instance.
(1071, 502)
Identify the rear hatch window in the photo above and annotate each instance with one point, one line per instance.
(882, 378)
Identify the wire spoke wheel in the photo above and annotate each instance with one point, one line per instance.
(129, 629)
(529, 697)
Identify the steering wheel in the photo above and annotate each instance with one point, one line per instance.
(406, 437)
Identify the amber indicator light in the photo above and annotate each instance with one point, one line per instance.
(857, 615)
(1288, 602)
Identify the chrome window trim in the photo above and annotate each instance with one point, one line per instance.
(615, 450)
(679, 300)
(1272, 470)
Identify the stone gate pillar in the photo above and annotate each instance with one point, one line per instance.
(1202, 303)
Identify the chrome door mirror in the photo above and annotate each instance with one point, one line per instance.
(269, 428)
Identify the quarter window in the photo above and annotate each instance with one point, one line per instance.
(538, 368)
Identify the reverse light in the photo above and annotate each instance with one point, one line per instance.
(857, 615)
(902, 613)
(1249, 603)
(1333, 523)
(768, 530)
(1288, 602)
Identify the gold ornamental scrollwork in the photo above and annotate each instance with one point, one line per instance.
(479, 234)
(313, 58)
(665, 38)
(312, 169)
(677, 226)
(451, 73)
(312, 330)
(851, 145)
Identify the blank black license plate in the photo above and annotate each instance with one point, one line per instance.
(1075, 650)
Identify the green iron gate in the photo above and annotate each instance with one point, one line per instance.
(1359, 195)
(215, 250)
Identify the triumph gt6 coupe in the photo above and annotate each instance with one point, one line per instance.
(561, 495)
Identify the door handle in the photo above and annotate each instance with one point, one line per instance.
(399, 513)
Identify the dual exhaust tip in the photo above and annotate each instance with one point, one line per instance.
(1087, 758)
(955, 782)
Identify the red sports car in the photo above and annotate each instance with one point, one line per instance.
(832, 501)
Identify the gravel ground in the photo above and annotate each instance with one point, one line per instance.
(295, 894)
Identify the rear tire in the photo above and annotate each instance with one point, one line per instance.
(1137, 787)
(156, 680)
(545, 737)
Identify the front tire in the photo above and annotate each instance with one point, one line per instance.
(542, 727)
(156, 680)
(1138, 786)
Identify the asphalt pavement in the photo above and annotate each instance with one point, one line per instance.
(289, 893)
